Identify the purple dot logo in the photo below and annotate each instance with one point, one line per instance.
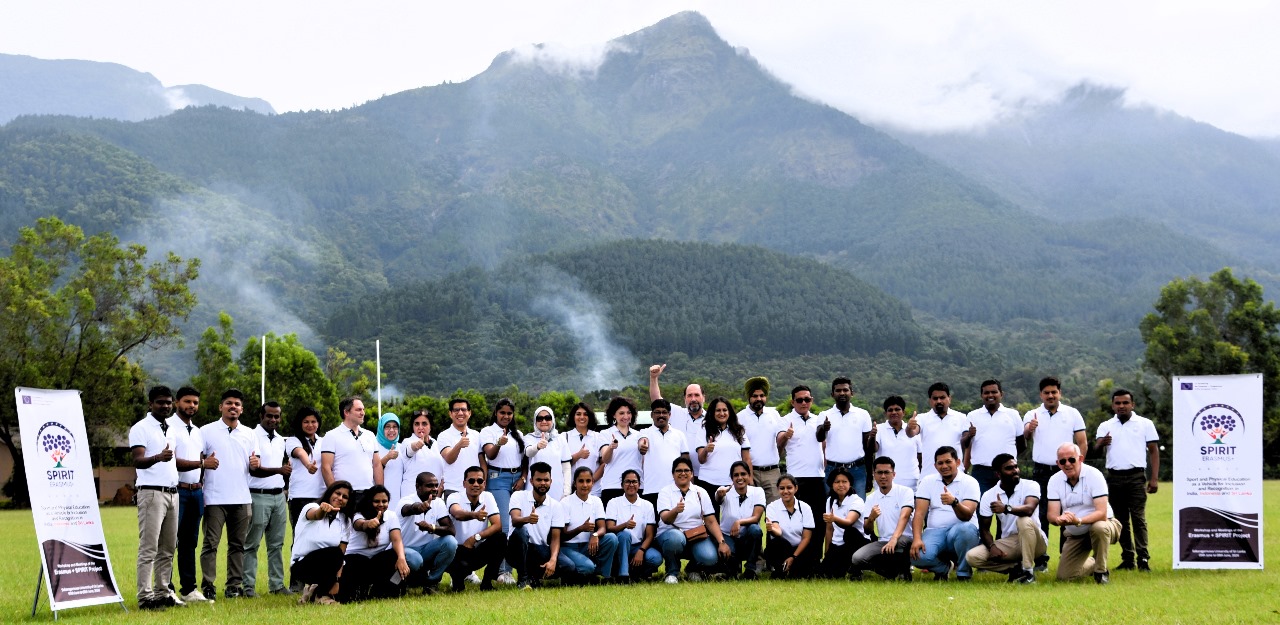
(1217, 421)
(56, 441)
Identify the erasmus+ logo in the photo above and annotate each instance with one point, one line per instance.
(56, 441)
(1217, 422)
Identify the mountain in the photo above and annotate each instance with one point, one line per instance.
(91, 89)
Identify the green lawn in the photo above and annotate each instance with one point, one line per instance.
(1162, 596)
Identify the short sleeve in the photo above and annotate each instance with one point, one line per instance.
(1152, 436)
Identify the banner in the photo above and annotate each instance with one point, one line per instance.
(1217, 472)
(64, 500)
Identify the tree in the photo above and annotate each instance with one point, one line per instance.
(294, 379)
(1217, 327)
(216, 369)
(74, 311)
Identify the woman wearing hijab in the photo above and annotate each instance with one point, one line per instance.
(619, 447)
(790, 551)
(317, 539)
(503, 448)
(418, 454)
(583, 442)
(843, 518)
(389, 439)
(687, 526)
(375, 563)
(547, 445)
(722, 441)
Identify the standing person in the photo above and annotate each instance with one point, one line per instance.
(375, 565)
(939, 427)
(848, 434)
(687, 526)
(584, 445)
(843, 517)
(687, 418)
(887, 511)
(945, 526)
(741, 508)
(306, 483)
(1078, 503)
(723, 442)
(1051, 424)
(1012, 503)
(790, 550)
(460, 448)
(805, 461)
(426, 530)
(270, 510)
(893, 440)
(548, 446)
(1132, 446)
(503, 450)
(633, 519)
(538, 518)
(153, 443)
(418, 454)
(227, 503)
(762, 423)
(190, 460)
(619, 448)
(993, 430)
(317, 546)
(585, 540)
(659, 444)
(478, 528)
(389, 454)
(351, 452)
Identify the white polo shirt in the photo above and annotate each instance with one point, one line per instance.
(550, 515)
(463, 530)
(1008, 523)
(189, 446)
(1128, 448)
(963, 487)
(352, 455)
(726, 452)
(1078, 499)
(228, 485)
(1052, 431)
(891, 505)
(508, 455)
(939, 431)
(358, 543)
(620, 511)
(555, 454)
(412, 535)
(844, 440)
(997, 434)
(148, 434)
(681, 420)
(764, 430)
(270, 456)
(804, 452)
(664, 448)
(626, 456)
(455, 472)
(578, 511)
(905, 451)
(852, 502)
(413, 462)
(793, 524)
(697, 504)
(302, 484)
(312, 535)
(735, 506)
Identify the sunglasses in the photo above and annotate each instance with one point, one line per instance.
(475, 480)
(542, 418)
(1065, 461)
(803, 400)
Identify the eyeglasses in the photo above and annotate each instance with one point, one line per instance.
(625, 482)
(883, 472)
(803, 400)
(475, 480)
(459, 409)
(683, 471)
(542, 417)
(1065, 461)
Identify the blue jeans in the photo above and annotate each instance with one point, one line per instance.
(190, 511)
(437, 555)
(527, 558)
(500, 484)
(945, 545)
(859, 473)
(627, 550)
(745, 548)
(674, 548)
(585, 564)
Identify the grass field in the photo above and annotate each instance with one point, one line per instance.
(1162, 596)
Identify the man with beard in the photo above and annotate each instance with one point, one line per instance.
(993, 430)
(660, 444)
(1012, 503)
(848, 434)
(687, 418)
(762, 423)
(227, 503)
(426, 530)
(189, 451)
(270, 510)
(945, 527)
(1046, 427)
(1132, 446)
(939, 427)
(534, 547)
(152, 442)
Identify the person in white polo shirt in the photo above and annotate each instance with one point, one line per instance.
(306, 482)
(690, 417)
(993, 429)
(190, 459)
(153, 443)
(1051, 424)
(503, 448)
(887, 512)
(659, 444)
(270, 510)
(687, 527)
(482, 543)
(633, 519)
(351, 453)
(619, 447)
(534, 546)
(741, 508)
(848, 434)
(584, 444)
(843, 516)
(227, 503)
(762, 423)
(460, 448)
(893, 440)
(723, 442)
(317, 547)
(790, 551)
(419, 454)
(800, 441)
(945, 524)
(586, 541)
(426, 531)
(1078, 503)
(938, 427)
(1012, 503)
(375, 564)
(1132, 447)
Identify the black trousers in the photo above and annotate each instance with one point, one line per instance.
(320, 567)
(836, 563)
(776, 552)
(368, 576)
(487, 555)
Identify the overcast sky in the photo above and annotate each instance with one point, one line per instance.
(921, 65)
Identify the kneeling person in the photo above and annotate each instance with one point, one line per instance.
(887, 512)
(632, 518)
(427, 532)
(1013, 503)
(478, 530)
(534, 546)
(945, 525)
(585, 540)
(1078, 503)
(741, 508)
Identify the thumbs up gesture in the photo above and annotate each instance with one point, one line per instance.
(480, 514)
(1033, 423)
(873, 429)
(533, 517)
(679, 507)
(711, 444)
(656, 370)
(254, 462)
(286, 469)
(542, 440)
(946, 497)
(417, 444)
(614, 444)
(912, 423)
(873, 514)
(464, 441)
(790, 431)
(999, 507)
(581, 453)
(210, 462)
(167, 454)
(391, 454)
(631, 523)
(502, 440)
(643, 446)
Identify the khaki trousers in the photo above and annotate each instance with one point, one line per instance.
(1020, 548)
(1076, 561)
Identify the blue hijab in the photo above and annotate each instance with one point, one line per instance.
(387, 443)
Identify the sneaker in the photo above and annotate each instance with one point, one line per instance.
(283, 590)
(941, 577)
(249, 593)
(1028, 577)
(164, 601)
(1042, 564)
(748, 575)
(196, 596)
(1127, 565)
(308, 593)
(1101, 578)
(473, 578)
(1144, 565)
(233, 593)
(671, 579)
(695, 577)
(295, 585)
(177, 601)
(506, 578)
(209, 592)
(486, 585)
(151, 604)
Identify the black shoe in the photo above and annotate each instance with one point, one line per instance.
(1127, 565)
(1101, 578)
(232, 593)
(941, 577)
(1042, 564)
(1026, 577)
(960, 578)
(1144, 565)
(249, 593)
(209, 592)
(855, 576)
(151, 604)
(283, 590)
(486, 585)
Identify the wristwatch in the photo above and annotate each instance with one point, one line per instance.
(477, 537)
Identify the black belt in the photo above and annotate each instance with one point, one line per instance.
(190, 485)
(502, 470)
(164, 489)
(844, 465)
(266, 491)
(768, 468)
(1132, 471)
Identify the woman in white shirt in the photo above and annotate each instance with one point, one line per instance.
(389, 439)
(306, 484)
(722, 442)
(583, 442)
(843, 518)
(375, 563)
(687, 526)
(317, 543)
(620, 447)
(547, 445)
(741, 507)
(632, 518)
(418, 454)
(790, 551)
(584, 540)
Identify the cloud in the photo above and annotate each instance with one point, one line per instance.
(177, 98)
(602, 363)
(575, 60)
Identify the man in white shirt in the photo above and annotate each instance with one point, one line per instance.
(945, 524)
(351, 452)
(848, 434)
(534, 546)
(190, 462)
(426, 530)
(1012, 503)
(801, 442)
(688, 418)
(660, 444)
(152, 443)
(762, 423)
(939, 427)
(993, 430)
(1051, 424)
(887, 515)
(227, 503)
(892, 440)
(1132, 446)
(478, 528)
(460, 447)
(1078, 503)
(270, 510)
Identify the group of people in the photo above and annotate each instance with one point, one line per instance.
(374, 514)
